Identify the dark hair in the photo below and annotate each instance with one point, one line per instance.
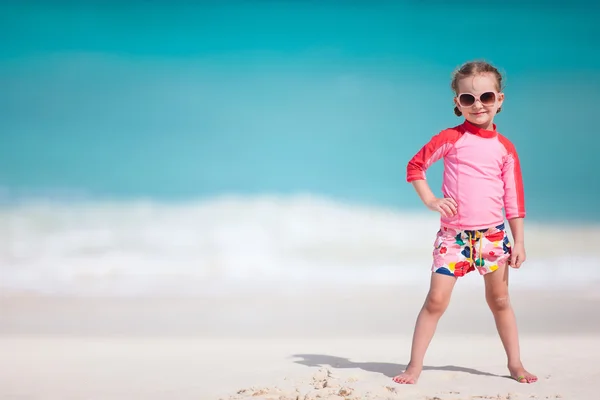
(473, 68)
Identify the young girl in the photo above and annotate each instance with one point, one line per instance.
(482, 176)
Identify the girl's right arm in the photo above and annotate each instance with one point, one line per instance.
(435, 149)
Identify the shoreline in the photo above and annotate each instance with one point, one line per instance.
(356, 311)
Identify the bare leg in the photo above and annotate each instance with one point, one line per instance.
(437, 300)
(496, 294)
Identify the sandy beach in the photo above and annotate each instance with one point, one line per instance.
(332, 343)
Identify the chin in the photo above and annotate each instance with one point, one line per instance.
(480, 120)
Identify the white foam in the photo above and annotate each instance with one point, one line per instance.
(141, 248)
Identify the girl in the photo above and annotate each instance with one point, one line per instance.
(482, 176)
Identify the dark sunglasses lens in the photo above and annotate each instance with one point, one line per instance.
(488, 98)
(466, 100)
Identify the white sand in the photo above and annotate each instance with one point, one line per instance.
(248, 346)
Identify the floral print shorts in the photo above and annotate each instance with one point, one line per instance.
(458, 252)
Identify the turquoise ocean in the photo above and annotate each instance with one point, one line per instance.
(185, 147)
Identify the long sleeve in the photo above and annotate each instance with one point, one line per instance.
(431, 152)
(514, 195)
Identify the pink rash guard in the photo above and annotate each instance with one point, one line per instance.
(482, 174)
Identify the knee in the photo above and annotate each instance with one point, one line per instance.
(436, 302)
(498, 301)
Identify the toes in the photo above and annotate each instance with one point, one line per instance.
(527, 378)
(402, 379)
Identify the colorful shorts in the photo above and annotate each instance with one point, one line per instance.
(458, 252)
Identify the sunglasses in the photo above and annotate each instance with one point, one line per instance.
(468, 99)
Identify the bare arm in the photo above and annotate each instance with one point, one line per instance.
(518, 255)
(424, 191)
(517, 229)
(446, 206)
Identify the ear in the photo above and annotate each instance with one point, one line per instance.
(500, 99)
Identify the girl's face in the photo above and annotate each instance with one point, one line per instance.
(479, 100)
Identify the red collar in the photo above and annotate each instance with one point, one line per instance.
(469, 127)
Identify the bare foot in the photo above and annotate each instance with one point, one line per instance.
(520, 375)
(410, 376)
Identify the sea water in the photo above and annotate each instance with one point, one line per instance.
(148, 147)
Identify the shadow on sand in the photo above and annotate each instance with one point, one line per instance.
(387, 369)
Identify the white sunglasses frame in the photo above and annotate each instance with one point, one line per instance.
(478, 98)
